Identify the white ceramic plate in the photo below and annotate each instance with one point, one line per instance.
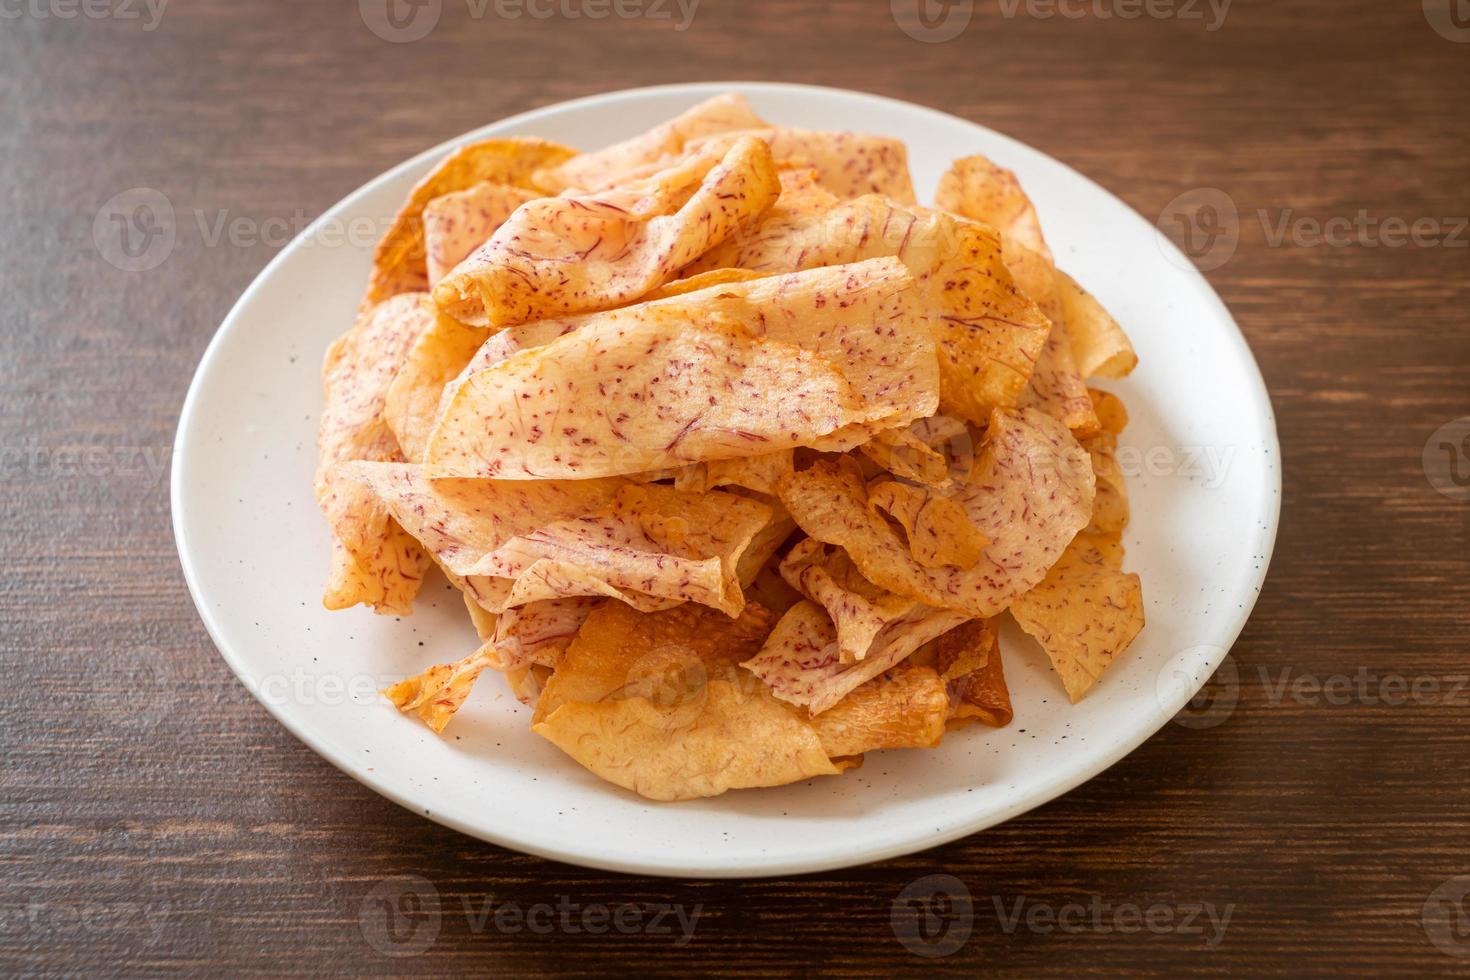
(1204, 478)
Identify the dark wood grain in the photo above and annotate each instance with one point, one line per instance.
(155, 819)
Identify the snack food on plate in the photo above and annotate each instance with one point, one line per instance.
(738, 455)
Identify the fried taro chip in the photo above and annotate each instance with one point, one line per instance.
(938, 529)
(657, 704)
(1110, 508)
(904, 710)
(1085, 612)
(975, 188)
(540, 632)
(437, 693)
(968, 659)
(693, 284)
(412, 404)
(1031, 490)
(373, 560)
(532, 635)
(400, 262)
(513, 543)
(859, 609)
(650, 541)
(736, 739)
(1099, 345)
(1056, 385)
(635, 394)
(460, 222)
(906, 455)
(758, 473)
(845, 164)
(597, 251)
(821, 358)
(988, 333)
(801, 660)
(722, 114)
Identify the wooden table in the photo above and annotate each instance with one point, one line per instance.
(204, 838)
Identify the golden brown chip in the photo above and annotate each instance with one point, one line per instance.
(938, 529)
(459, 222)
(1056, 386)
(906, 455)
(1031, 490)
(758, 473)
(723, 113)
(373, 560)
(437, 693)
(975, 188)
(905, 709)
(400, 264)
(970, 661)
(1084, 613)
(656, 704)
(561, 255)
(412, 404)
(988, 334)
(819, 358)
(1110, 410)
(1099, 345)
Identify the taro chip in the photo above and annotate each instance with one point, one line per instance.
(412, 404)
(657, 704)
(1110, 509)
(1056, 386)
(540, 632)
(1084, 613)
(654, 704)
(649, 541)
(801, 660)
(721, 114)
(809, 359)
(439, 692)
(846, 164)
(400, 263)
(859, 609)
(1099, 345)
(562, 255)
(1031, 490)
(938, 528)
(758, 473)
(975, 188)
(988, 333)
(970, 663)
(905, 454)
(373, 560)
(905, 709)
(460, 222)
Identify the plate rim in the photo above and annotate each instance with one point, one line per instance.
(758, 868)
